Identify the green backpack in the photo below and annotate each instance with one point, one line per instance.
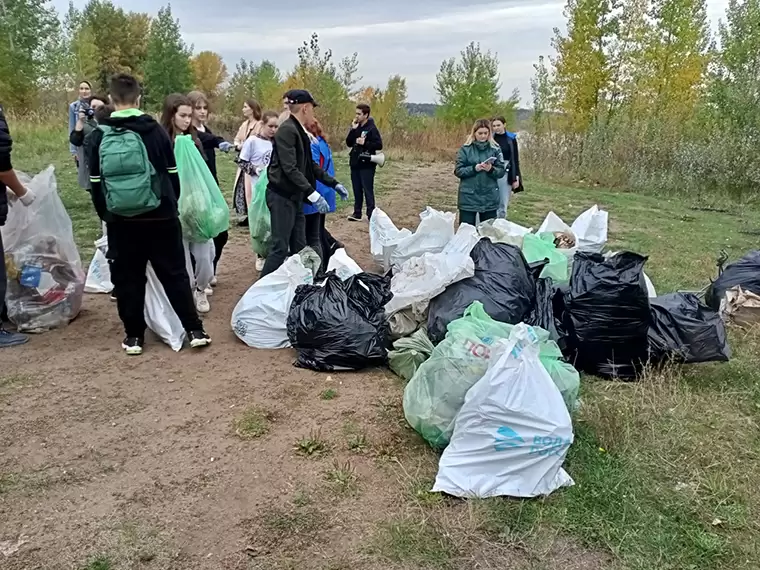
(130, 182)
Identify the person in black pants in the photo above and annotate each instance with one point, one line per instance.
(364, 140)
(293, 176)
(154, 236)
(210, 143)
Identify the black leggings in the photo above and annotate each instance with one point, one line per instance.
(219, 242)
(469, 217)
(315, 225)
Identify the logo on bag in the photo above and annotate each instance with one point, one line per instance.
(240, 328)
(481, 349)
(545, 446)
(507, 438)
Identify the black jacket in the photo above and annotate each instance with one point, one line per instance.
(210, 143)
(292, 171)
(160, 154)
(6, 146)
(511, 153)
(373, 143)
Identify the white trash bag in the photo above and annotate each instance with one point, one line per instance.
(435, 231)
(554, 224)
(590, 229)
(99, 273)
(45, 276)
(512, 434)
(260, 318)
(343, 265)
(503, 231)
(160, 315)
(383, 236)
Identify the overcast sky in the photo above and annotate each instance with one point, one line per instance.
(391, 36)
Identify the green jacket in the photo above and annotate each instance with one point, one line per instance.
(478, 191)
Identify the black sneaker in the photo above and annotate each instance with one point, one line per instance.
(354, 218)
(133, 345)
(199, 339)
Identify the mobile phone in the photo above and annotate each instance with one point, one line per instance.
(490, 160)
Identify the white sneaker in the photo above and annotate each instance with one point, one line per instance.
(214, 281)
(260, 261)
(209, 291)
(201, 302)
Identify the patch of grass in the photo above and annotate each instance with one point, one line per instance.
(419, 492)
(420, 543)
(358, 442)
(13, 379)
(296, 522)
(98, 563)
(302, 498)
(342, 476)
(329, 394)
(8, 482)
(254, 422)
(312, 445)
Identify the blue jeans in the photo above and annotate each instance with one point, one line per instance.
(505, 191)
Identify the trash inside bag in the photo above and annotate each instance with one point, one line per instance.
(343, 265)
(537, 248)
(341, 325)
(260, 317)
(384, 236)
(435, 231)
(590, 229)
(409, 353)
(203, 211)
(513, 431)
(740, 307)
(160, 316)
(437, 390)
(745, 272)
(684, 330)
(502, 282)
(561, 234)
(259, 219)
(99, 272)
(44, 271)
(503, 231)
(607, 315)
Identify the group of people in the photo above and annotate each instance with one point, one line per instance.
(126, 160)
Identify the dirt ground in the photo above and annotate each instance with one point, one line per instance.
(136, 460)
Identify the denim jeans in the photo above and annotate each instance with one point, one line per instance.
(505, 191)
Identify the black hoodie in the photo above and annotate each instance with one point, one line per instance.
(6, 146)
(372, 144)
(161, 156)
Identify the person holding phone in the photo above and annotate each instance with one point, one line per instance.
(87, 122)
(479, 166)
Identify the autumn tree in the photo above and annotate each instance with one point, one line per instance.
(209, 72)
(388, 104)
(29, 30)
(167, 68)
(468, 88)
(261, 82)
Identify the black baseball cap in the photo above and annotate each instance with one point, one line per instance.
(300, 97)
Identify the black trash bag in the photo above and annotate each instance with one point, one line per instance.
(607, 315)
(686, 331)
(503, 282)
(745, 272)
(542, 314)
(341, 325)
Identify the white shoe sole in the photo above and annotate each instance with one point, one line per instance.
(209, 292)
(200, 342)
(132, 350)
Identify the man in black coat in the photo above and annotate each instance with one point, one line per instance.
(364, 140)
(10, 187)
(293, 176)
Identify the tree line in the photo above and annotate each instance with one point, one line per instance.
(44, 55)
(640, 93)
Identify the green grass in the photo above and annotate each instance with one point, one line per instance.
(329, 394)
(99, 563)
(311, 445)
(253, 422)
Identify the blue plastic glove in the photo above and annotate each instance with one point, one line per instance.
(342, 192)
(322, 206)
(224, 146)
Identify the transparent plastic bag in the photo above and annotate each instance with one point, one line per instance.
(259, 219)
(159, 314)
(45, 276)
(384, 236)
(203, 211)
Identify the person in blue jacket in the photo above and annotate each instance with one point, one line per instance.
(317, 237)
(85, 92)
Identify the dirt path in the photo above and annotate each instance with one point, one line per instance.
(136, 460)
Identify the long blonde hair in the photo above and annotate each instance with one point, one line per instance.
(481, 124)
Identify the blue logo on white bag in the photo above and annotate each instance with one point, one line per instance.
(31, 275)
(507, 438)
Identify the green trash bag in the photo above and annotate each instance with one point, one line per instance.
(436, 392)
(203, 211)
(409, 353)
(564, 375)
(540, 247)
(259, 221)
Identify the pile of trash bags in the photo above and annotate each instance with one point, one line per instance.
(45, 275)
